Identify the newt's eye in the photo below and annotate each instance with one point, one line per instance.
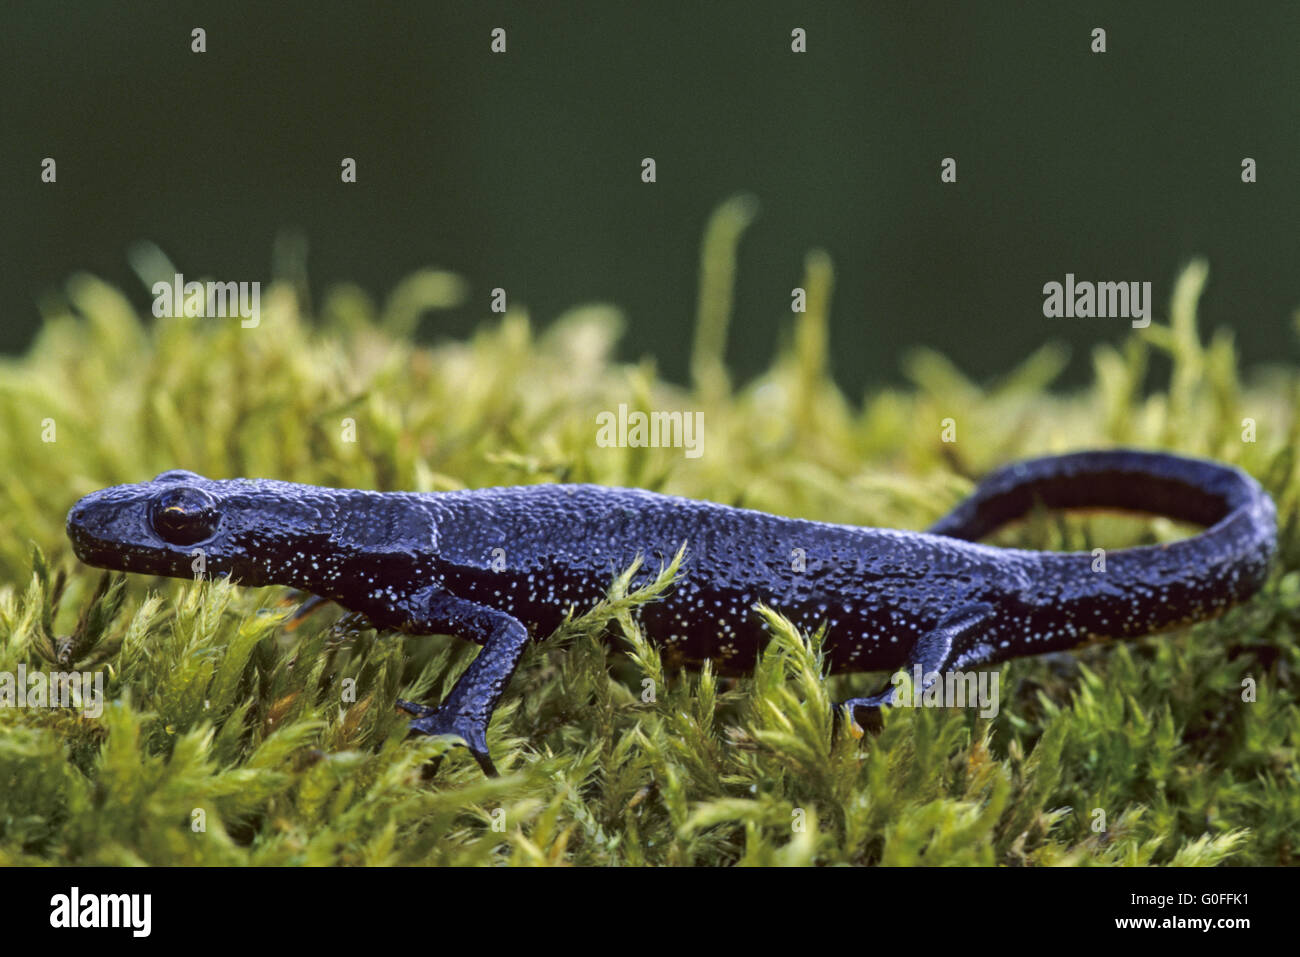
(184, 515)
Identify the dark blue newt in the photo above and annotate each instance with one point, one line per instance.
(494, 565)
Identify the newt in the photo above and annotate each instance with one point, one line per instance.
(498, 565)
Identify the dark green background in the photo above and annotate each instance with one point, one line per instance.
(523, 170)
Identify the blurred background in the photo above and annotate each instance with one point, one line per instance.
(523, 170)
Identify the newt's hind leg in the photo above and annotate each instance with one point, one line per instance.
(300, 614)
(952, 644)
(468, 707)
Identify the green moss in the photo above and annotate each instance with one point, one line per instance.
(221, 713)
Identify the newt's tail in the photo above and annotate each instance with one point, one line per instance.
(1148, 588)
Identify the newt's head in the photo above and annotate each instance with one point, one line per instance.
(256, 531)
(180, 524)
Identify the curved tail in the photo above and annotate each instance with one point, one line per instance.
(1142, 589)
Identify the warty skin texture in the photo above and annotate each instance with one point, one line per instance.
(498, 565)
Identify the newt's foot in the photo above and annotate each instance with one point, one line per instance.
(864, 713)
(955, 642)
(472, 733)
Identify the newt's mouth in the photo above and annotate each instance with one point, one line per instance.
(109, 532)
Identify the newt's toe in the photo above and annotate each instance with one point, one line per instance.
(415, 708)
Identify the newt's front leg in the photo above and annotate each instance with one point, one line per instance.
(468, 708)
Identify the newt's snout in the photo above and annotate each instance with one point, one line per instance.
(90, 528)
(78, 527)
